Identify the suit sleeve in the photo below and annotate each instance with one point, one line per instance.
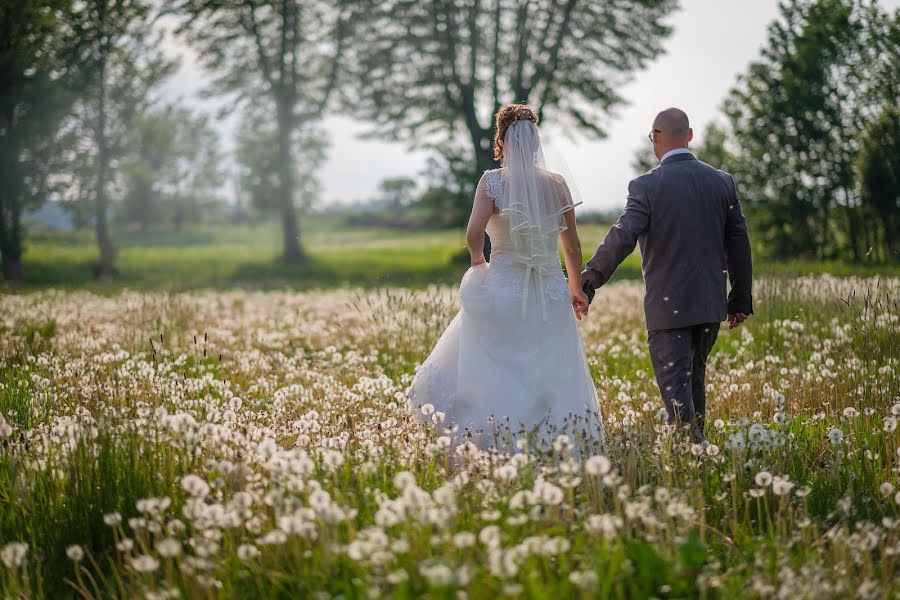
(738, 258)
(619, 241)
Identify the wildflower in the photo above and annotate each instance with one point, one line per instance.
(736, 442)
(719, 424)
(712, 450)
(606, 525)
(763, 478)
(427, 409)
(195, 486)
(562, 443)
(112, 519)
(697, 449)
(125, 545)
(397, 577)
(464, 539)
(803, 492)
(835, 435)
(75, 552)
(597, 466)
(583, 579)
(781, 486)
(757, 493)
(143, 563)
(436, 575)
(247, 551)
(13, 554)
(168, 548)
(886, 489)
(506, 472)
(890, 424)
(850, 412)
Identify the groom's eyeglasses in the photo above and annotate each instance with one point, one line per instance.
(650, 135)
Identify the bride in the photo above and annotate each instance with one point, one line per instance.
(513, 355)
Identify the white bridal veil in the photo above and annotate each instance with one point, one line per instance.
(534, 196)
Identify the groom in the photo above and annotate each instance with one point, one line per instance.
(688, 220)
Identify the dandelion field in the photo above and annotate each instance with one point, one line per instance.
(237, 444)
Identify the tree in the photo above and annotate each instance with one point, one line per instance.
(35, 75)
(173, 167)
(878, 168)
(123, 67)
(152, 154)
(293, 51)
(643, 159)
(434, 70)
(198, 173)
(258, 157)
(396, 192)
(796, 117)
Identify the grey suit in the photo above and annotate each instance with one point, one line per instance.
(693, 237)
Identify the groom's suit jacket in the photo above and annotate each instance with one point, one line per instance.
(693, 236)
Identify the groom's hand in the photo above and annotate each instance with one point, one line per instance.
(735, 319)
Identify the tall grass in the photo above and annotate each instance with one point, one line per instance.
(259, 445)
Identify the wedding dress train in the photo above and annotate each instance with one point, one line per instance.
(513, 351)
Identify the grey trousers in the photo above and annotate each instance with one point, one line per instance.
(679, 362)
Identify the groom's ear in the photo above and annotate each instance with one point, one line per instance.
(690, 134)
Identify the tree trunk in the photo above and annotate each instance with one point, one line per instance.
(10, 213)
(291, 235)
(12, 268)
(11, 221)
(105, 267)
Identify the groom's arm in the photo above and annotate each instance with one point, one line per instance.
(619, 241)
(738, 258)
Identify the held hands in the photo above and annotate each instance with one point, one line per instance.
(580, 302)
(735, 319)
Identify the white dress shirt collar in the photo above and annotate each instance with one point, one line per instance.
(673, 152)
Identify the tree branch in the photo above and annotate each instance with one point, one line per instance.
(253, 28)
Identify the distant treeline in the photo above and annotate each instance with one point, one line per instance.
(810, 131)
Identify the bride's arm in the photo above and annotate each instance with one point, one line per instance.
(571, 251)
(482, 208)
(572, 256)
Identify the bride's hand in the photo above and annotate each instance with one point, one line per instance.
(478, 260)
(580, 302)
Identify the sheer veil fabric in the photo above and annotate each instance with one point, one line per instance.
(512, 361)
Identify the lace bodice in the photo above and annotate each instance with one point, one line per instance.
(498, 225)
(507, 270)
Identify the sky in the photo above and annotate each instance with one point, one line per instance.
(712, 43)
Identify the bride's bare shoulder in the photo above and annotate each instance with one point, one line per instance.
(552, 177)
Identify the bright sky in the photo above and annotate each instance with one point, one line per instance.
(713, 41)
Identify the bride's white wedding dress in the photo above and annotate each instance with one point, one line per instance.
(513, 351)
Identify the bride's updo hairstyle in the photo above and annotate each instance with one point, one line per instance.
(506, 116)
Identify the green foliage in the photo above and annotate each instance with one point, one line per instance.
(247, 256)
(36, 73)
(103, 475)
(121, 65)
(294, 52)
(878, 172)
(681, 521)
(796, 123)
(173, 169)
(431, 71)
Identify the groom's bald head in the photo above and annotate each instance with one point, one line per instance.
(671, 129)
